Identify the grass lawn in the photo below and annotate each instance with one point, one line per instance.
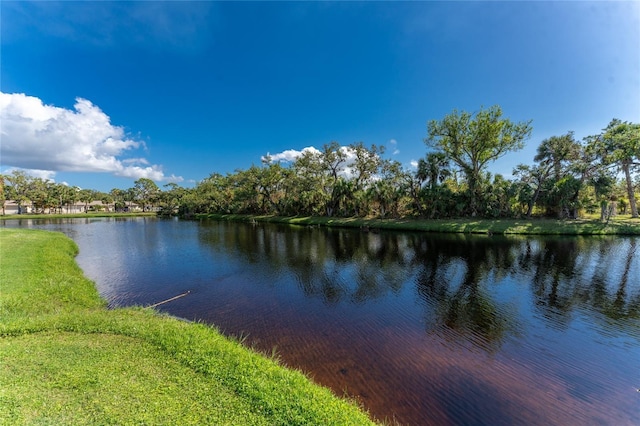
(66, 359)
(620, 225)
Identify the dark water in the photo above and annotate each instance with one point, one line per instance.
(422, 329)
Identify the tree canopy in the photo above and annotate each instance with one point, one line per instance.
(472, 141)
(566, 178)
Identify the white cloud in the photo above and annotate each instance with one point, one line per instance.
(394, 145)
(52, 139)
(135, 161)
(414, 164)
(289, 155)
(42, 174)
(174, 179)
(346, 168)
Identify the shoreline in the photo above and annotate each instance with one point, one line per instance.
(73, 215)
(461, 226)
(534, 226)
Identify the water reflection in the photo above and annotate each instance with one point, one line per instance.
(453, 274)
(592, 272)
(538, 302)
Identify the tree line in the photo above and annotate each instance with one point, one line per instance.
(45, 196)
(601, 173)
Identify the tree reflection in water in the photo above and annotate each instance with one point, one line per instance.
(592, 272)
(456, 329)
(453, 274)
(453, 277)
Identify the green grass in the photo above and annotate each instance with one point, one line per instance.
(621, 225)
(66, 359)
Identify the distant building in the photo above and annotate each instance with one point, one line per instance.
(11, 207)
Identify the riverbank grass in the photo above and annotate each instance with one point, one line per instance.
(621, 225)
(66, 359)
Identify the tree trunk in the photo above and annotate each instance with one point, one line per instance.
(533, 201)
(632, 197)
(473, 204)
(603, 211)
(329, 210)
(416, 199)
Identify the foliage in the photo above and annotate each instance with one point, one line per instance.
(472, 141)
(619, 145)
(566, 179)
(554, 157)
(145, 192)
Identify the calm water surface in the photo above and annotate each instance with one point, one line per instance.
(424, 329)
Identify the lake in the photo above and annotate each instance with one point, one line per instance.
(424, 329)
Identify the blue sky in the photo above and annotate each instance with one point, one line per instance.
(98, 94)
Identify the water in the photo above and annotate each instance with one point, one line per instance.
(420, 328)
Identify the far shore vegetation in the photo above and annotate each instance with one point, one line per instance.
(450, 189)
(66, 359)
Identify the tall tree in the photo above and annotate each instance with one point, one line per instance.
(554, 157)
(366, 163)
(472, 141)
(20, 184)
(272, 179)
(39, 194)
(556, 152)
(424, 185)
(60, 192)
(603, 186)
(145, 191)
(246, 191)
(169, 200)
(620, 146)
(310, 178)
(564, 195)
(333, 158)
(388, 190)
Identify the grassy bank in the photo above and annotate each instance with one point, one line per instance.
(66, 359)
(618, 226)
